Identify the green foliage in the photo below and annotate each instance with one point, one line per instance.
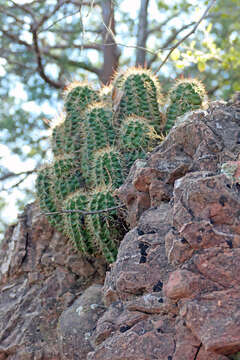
(235, 356)
(186, 95)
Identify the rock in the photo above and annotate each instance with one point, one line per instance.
(41, 275)
(145, 340)
(179, 265)
(76, 324)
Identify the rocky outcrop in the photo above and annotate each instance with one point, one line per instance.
(172, 294)
(40, 277)
(174, 290)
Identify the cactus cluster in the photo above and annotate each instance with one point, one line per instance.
(102, 134)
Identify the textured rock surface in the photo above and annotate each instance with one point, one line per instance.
(173, 293)
(175, 283)
(40, 277)
(78, 322)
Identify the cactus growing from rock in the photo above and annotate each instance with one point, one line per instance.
(94, 146)
(186, 95)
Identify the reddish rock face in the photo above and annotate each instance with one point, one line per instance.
(40, 277)
(179, 266)
(172, 294)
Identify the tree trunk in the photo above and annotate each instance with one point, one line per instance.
(111, 52)
(142, 33)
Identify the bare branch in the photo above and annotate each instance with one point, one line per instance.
(75, 46)
(84, 3)
(78, 64)
(16, 39)
(40, 68)
(142, 33)
(11, 174)
(23, 7)
(5, 11)
(160, 26)
(85, 212)
(50, 13)
(170, 39)
(188, 34)
(57, 21)
(14, 62)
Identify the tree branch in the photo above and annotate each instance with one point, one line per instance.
(75, 46)
(79, 64)
(11, 174)
(40, 68)
(23, 7)
(16, 39)
(186, 36)
(85, 212)
(51, 13)
(142, 33)
(171, 38)
(160, 26)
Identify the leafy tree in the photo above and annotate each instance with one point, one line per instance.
(45, 44)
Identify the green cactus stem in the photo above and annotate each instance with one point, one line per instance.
(76, 226)
(58, 138)
(78, 96)
(66, 177)
(94, 234)
(136, 138)
(98, 133)
(140, 96)
(105, 227)
(107, 168)
(47, 200)
(187, 95)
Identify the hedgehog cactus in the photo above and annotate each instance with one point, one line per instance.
(47, 197)
(78, 96)
(102, 134)
(136, 138)
(93, 234)
(139, 95)
(187, 95)
(105, 226)
(97, 133)
(107, 168)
